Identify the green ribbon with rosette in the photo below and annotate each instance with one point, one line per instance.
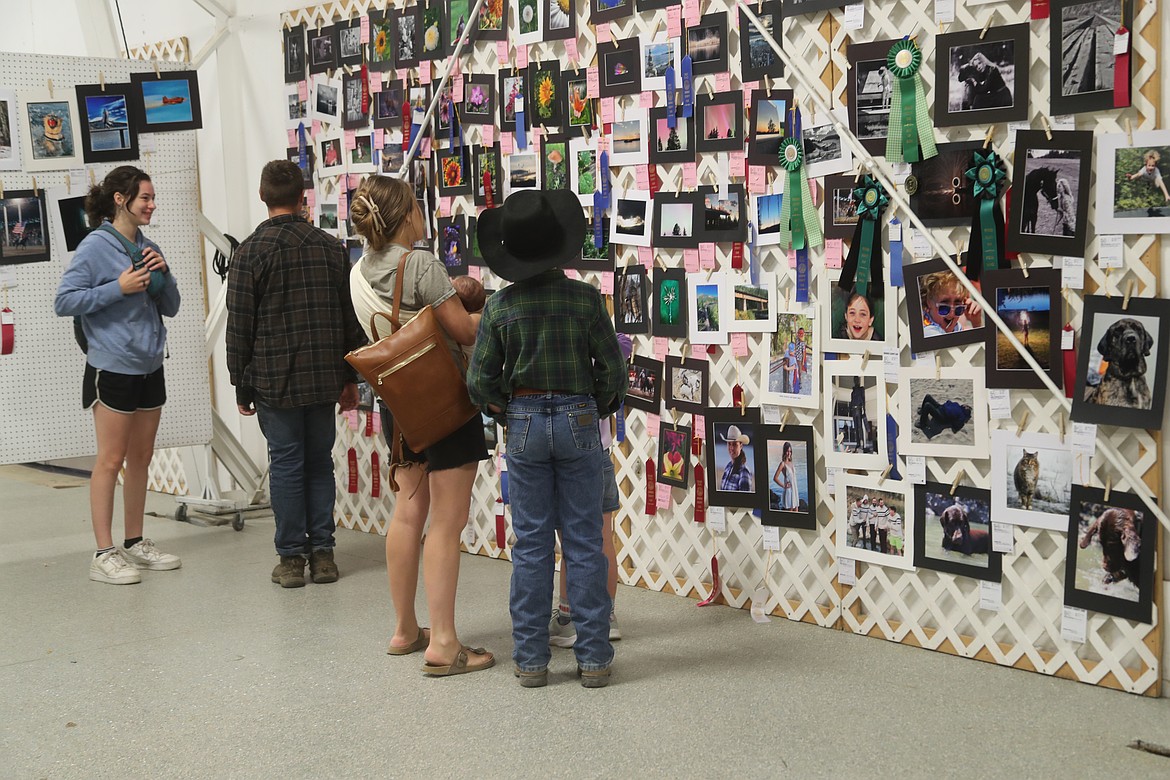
(911, 136)
(988, 176)
(799, 226)
(863, 265)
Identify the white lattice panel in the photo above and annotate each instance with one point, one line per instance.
(666, 551)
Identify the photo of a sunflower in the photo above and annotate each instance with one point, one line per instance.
(546, 94)
(381, 50)
(452, 172)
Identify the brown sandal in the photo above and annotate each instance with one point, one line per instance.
(420, 643)
(460, 665)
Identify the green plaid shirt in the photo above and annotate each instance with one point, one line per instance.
(547, 333)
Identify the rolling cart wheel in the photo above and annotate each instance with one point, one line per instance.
(181, 513)
(238, 521)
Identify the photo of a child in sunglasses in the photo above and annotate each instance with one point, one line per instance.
(946, 305)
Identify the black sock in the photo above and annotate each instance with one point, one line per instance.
(100, 553)
(131, 542)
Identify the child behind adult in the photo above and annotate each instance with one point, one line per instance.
(472, 295)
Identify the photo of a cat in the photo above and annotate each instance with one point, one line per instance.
(1032, 475)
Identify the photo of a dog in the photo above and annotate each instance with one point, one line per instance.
(1122, 359)
(1110, 554)
(954, 529)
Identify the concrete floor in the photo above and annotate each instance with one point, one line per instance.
(212, 671)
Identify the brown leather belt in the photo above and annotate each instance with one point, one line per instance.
(519, 391)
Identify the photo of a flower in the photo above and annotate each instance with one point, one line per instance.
(491, 15)
(555, 156)
(580, 107)
(380, 32)
(452, 171)
(546, 96)
(432, 33)
(559, 12)
(477, 100)
(586, 162)
(529, 16)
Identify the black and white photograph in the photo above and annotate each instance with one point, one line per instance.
(629, 142)
(671, 144)
(658, 54)
(1050, 214)
(1121, 362)
(791, 471)
(766, 126)
(325, 100)
(25, 236)
(794, 357)
(719, 123)
(1112, 545)
(824, 152)
(322, 45)
(1133, 182)
(645, 384)
(945, 196)
(874, 521)
(619, 68)
(724, 218)
(668, 303)
(685, 384)
(980, 69)
(735, 458)
(1032, 476)
(349, 43)
(855, 414)
(870, 86)
(1031, 307)
(840, 206)
(407, 27)
(952, 531)
(1081, 43)
(298, 110)
(352, 116)
(757, 60)
(941, 311)
(946, 410)
(675, 220)
(631, 288)
(707, 44)
(631, 218)
(295, 56)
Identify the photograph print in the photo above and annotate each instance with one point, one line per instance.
(735, 458)
(352, 115)
(756, 57)
(598, 253)
(1052, 178)
(492, 24)
(554, 160)
(645, 384)
(298, 110)
(766, 127)
(295, 54)
(609, 10)
(1133, 182)
(512, 88)
(406, 26)
(620, 68)
(674, 454)
(1031, 307)
(946, 411)
(705, 294)
(454, 171)
(1112, 544)
(668, 310)
(452, 237)
(479, 99)
(855, 414)
(349, 46)
(50, 137)
(583, 171)
(629, 141)
(824, 152)
(458, 12)
(724, 218)
(543, 97)
(1032, 476)
(521, 172)
(579, 117)
(840, 206)
(766, 209)
(874, 521)
(330, 155)
(325, 100)
(487, 160)
(631, 218)
(386, 106)
(9, 143)
(322, 45)
(360, 159)
(945, 196)
(560, 19)
(1083, 62)
(671, 144)
(952, 531)
(940, 310)
(793, 363)
(528, 22)
(658, 55)
(857, 324)
(631, 288)
(981, 86)
(791, 470)
(107, 133)
(25, 236)
(685, 385)
(720, 122)
(751, 308)
(707, 44)
(675, 220)
(380, 50)
(434, 36)
(70, 223)
(870, 86)
(1121, 363)
(167, 103)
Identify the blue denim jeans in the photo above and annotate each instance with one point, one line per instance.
(300, 450)
(555, 481)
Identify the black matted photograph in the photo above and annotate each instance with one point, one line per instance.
(631, 294)
(981, 87)
(597, 251)
(840, 206)
(455, 171)
(724, 219)
(406, 25)
(794, 7)
(707, 44)
(295, 54)
(791, 470)
(676, 220)
(1050, 194)
(945, 196)
(1112, 544)
(486, 159)
(380, 49)
(492, 24)
(619, 68)
(671, 144)
(544, 97)
(720, 122)
(352, 115)
(1081, 44)
(1031, 307)
(684, 384)
(554, 161)
(434, 32)
(25, 236)
(322, 45)
(756, 57)
(452, 239)
(769, 115)
(386, 106)
(479, 99)
(645, 385)
(1121, 365)
(559, 18)
(512, 88)
(674, 454)
(735, 458)
(579, 118)
(167, 102)
(870, 86)
(349, 43)
(668, 313)
(940, 310)
(609, 10)
(952, 531)
(107, 133)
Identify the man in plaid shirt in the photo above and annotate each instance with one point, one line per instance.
(290, 325)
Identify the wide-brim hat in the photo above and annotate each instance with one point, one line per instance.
(736, 435)
(531, 232)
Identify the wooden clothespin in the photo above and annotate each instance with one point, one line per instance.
(990, 134)
(1108, 487)
(885, 472)
(937, 369)
(942, 26)
(678, 189)
(318, 24)
(784, 419)
(955, 484)
(864, 361)
(1128, 293)
(157, 75)
(987, 24)
(1047, 126)
(102, 80)
(1129, 130)
(1, 188)
(1108, 292)
(50, 83)
(768, 85)
(1023, 422)
(92, 178)
(710, 91)
(1062, 427)
(1023, 268)
(35, 193)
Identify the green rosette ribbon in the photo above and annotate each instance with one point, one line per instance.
(987, 175)
(871, 201)
(911, 137)
(799, 226)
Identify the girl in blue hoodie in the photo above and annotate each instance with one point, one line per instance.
(119, 287)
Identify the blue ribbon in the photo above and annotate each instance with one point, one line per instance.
(688, 88)
(620, 418)
(753, 258)
(603, 174)
(892, 448)
(802, 274)
(896, 259)
(521, 131)
(671, 98)
(302, 152)
(598, 208)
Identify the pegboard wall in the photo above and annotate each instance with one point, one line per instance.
(667, 551)
(40, 382)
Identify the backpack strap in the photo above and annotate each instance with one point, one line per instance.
(130, 247)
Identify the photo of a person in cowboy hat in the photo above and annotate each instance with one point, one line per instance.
(737, 476)
(547, 363)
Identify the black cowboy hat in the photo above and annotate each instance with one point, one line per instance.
(532, 232)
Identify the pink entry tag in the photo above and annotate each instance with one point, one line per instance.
(646, 257)
(457, 89)
(350, 140)
(603, 35)
(592, 83)
(488, 132)
(758, 179)
(833, 251)
(475, 272)
(607, 110)
(505, 143)
(706, 256)
(607, 282)
(736, 166)
(365, 29)
(723, 83)
(690, 176)
(502, 52)
(303, 90)
(571, 50)
(739, 344)
(659, 347)
(674, 22)
(521, 56)
(691, 260)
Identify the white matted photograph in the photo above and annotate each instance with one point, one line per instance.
(657, 55)
(583, 169)
(705, 309)
(632, 215)
(521, 172)
(330, 154)
(767, 218)
(875, 521)
(1032, 475)
(629, 144)
(855, 414)
(750, 308)
(944, 412)
(325, 100)
(854, 323)
(824, 152)
(50, 137)
(793, 374)
(9, 132)
(1133, 182)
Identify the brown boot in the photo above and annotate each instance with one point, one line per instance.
(321, 566)
(290, 572)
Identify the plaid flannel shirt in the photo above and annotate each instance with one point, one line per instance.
(547, 333)
(290, 319)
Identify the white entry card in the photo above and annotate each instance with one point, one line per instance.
(759, 601)
(1073, 624)
(1003, 538)
(1084, 438)
(999, 402)
(855, 16)
(991, 596)
(847, 571)
(717, 519)
(916, 469)
(771, 538)
(1111, 252)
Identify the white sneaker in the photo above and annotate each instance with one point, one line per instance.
(112, 568)
(561, 634)
(145, 555)
(615, 633)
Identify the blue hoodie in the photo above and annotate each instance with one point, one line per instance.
(126, 334)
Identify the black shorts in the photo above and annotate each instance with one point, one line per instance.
(465, 445)
(125, 393)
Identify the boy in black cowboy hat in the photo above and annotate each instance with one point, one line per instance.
(547, 359)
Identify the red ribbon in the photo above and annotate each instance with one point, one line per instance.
(700, 495)
(655, 180)
(1121, 98)
(7, 331)
(737, 256)
(716, 585)
(488, 195)
(501, 526)
(1007, 209)
(1039, 9)
(1070, 365)
(353, 470)
(737, 396)
(651, 488)
(375, 476)
(366, 90)
(370, 424)
(406, 125)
